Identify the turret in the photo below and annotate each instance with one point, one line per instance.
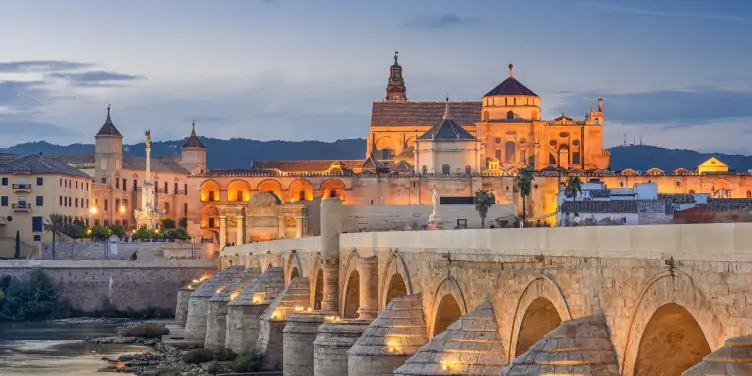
(108, 151)
(395, 89)
(596, 117)
(511, 101)
(193, 156)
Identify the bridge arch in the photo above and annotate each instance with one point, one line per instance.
(293, 266)
(395, 272)
(272, 186)
(272, 261)
(448, 305)
(317, 283)
(350, 283)
(669, 294)
(540, 308)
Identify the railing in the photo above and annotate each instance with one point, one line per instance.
(22, 206)
(22, 187)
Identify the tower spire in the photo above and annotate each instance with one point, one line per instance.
(395, 88)
(511, 67)
(446, 108)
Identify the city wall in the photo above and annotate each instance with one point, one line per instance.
(392, 217)
(134, 285)
(146, 251)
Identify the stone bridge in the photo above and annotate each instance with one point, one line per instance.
(621, 300)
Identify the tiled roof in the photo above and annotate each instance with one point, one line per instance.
(446, 130)
(161, 164)
(398, 331)
(108, 128)
(193, 141)
(732, 359)
(510, 86)
(262, 290)
(233, 289)
(38, 164)
(217, 282)
(419, 113)
(301, 166)
(8, 157)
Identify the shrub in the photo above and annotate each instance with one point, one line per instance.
(249, 361)
(30, 298)
(214, 368)
(223, 354)
(197, 356)
(147, 331)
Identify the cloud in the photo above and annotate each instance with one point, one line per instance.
(21, 96)
(656, 13)
(203, 119)
(97, 78)
(41, 66)
(667, 108)
(445, 21)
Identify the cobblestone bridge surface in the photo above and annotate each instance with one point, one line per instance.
(623, 300)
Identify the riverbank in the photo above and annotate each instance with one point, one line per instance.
(167, 361)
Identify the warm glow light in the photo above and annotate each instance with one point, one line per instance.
(234, 295)
(256, 300)
(93, 210)
(446, 365)
(310, 309)
(276, 315)
(299, 309)
(332, 319)
(194, 281)
(218, 290)
(122, 209)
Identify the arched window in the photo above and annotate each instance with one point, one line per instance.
(485, 115)
(510, 115)
(749, 194)
(509, 152)
(497, 140)
(468, 171)
(445, 169)
(596, 121)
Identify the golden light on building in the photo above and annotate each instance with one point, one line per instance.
(234, 295)
(122, 208)
(93, 210)
(447, 365)
(256, 299)
(299, 308)
(332, 319)
(217, 291)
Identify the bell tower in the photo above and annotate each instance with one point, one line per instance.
(395, 89)
(193, 156)
(108, 151)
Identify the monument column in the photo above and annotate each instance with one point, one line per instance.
(369, 283)
(241, 227)
(330, 272)
(222, 231)
(331, 227)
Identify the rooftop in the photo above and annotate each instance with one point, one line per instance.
(38, 164)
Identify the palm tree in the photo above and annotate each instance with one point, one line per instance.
(54, 224)
(573, 186)
(483, 201)
(524, 182)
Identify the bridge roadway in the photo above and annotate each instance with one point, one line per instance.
(626, 300)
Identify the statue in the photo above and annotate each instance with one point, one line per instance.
(434, 220)
(149, 213)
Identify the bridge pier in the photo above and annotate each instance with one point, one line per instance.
(198, 305)
(369, 288)
(331, 345)
(298, 337)
(390, 339)
(216, 320)
(295, 298)
(243, 312)
(181, 309)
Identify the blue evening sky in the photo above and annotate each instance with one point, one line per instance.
(677, 72)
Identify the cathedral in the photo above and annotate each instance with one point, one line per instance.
(414, 147)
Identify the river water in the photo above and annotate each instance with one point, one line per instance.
(30, 349)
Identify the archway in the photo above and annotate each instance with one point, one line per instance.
(318, 291)
(396, 288)
(210, 191)
(239, 191)
(509, 152)
(671, 343)
(294, 273)
(540, 318)
(210, 217)
(447, 313)
(352, 296)
(333, 188)
(301, 190)
(271, 186)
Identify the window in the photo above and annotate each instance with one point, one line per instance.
(596, 121)
(135, 185)
(40, 201)
(425, 171)
(124, 185)
(104, 180)
(76, 201)
(576, 157)
(106, 222)
(175, 189)
(445, 169)
(87, 203)
(36, 224)
(211, 223)
(185, 189)
(61, 182)
(117, 183)
(40, 181)
(467, 170)
(4, 201)
(497, 154)
(509, 154)
(211, 196)
(239, 195)
(87, 186)
(185, 209)
(76, 184)
(510, 115)
(5, 182)
(497, 140)
(60, 201)
(301, 196)
(167, 207)
(333, 193)
(106, 206)
(165, 187)
(117, 204)
(96, 222)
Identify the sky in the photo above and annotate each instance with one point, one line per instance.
(674, 72)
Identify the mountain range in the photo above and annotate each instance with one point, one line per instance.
(240, 153)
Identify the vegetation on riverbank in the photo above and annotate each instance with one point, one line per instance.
(148, 331)
(30, 298)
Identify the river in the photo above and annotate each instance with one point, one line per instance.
(30, 349)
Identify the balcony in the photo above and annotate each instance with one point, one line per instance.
(22, 187)
(22, 207)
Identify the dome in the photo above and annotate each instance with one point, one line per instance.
(511, 87)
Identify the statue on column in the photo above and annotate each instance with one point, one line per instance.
(149, 213)
(434, 220)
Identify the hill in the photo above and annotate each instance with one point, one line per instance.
(240, 153)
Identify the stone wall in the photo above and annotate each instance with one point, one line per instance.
(146, 251)
(86, 285)
(393, 217)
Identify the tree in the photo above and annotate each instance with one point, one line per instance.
(573, 187)
(100, 233)
(55, 224)
(17, 254)
(524, 182)
(483, 201)
(118, 231)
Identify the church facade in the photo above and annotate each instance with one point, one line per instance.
(456, 147)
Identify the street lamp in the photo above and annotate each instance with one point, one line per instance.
(93, 210)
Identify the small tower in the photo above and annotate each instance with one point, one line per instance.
(108, 151)
(193, 156)
(395, 89)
